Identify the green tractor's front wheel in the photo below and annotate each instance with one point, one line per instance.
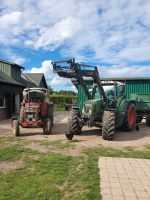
(108, 125)
(74, 125)
(130, 117)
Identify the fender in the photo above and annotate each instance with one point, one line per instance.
(12, 119)
(121, 111)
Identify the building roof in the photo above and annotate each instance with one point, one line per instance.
(28, 81)
(36, 78)
(12, 63)
(6, 79)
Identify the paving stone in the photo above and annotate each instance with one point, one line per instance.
(115, 185)
(117, 191)
(130, 198)
(105, 184)
(106, 191)
(112, 180)
(124, 178)
(142, 194)
(129, 193)
(116, 197)
(107, 197)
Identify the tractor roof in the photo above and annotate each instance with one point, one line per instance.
(39, 90)
(110, 80)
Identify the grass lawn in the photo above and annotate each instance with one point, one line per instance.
(54, 175)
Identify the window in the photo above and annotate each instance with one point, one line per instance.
(2, 102)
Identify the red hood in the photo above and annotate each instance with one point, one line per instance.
(32, 105)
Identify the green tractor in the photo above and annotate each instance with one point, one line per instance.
(105, 106)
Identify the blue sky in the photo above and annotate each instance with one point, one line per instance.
(113, 35)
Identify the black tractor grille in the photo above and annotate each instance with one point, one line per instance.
(86, 108)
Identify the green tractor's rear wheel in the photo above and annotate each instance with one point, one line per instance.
(74, 125)
(108, 125)
(47, 128)
(130, 118)
(15, 126)
(148, 120)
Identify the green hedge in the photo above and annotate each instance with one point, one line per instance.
(62, 100)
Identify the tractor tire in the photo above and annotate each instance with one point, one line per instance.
(139, 119)
(130, 118)
(15, 126)
(21, 114)
(50, 115)
(74, 125)
(148, 120)
(108, 125)
(47, 128)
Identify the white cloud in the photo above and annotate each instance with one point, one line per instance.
(14, 56)
(124, 71)
(54, 36)
(9, 19)
(114, 32)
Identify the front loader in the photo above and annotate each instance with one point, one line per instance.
(100, 109)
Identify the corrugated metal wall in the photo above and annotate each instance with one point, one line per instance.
(137, 87)
(6, 68)
(131, 87)
(16, 73)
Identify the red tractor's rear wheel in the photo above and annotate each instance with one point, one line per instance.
(130, 118)
(47, 126)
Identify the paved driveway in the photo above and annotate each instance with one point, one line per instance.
(124, 178)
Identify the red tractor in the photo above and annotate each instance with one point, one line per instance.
(36, 111)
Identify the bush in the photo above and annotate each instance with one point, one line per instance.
(63, 100)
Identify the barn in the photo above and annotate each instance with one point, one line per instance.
(12, 83)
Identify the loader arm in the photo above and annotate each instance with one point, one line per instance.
(71, 69)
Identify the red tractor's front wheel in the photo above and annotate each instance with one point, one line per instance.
(47, 126)
(130, 117)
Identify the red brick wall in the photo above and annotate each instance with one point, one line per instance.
(3, 113)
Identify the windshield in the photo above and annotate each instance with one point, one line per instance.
(109, 92)
(35, 97)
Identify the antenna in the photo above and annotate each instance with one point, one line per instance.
(29, 93)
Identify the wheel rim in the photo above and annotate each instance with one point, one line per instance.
(45, 127)
(131, 116)
(14, 131)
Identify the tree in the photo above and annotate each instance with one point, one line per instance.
(50, 89)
